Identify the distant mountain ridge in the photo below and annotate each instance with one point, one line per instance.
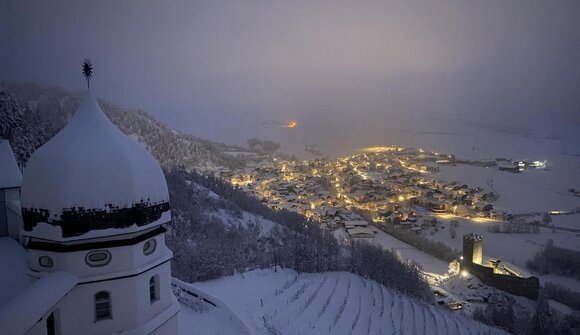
(31, 114)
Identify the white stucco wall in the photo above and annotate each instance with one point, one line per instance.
(124, 260)
(130, 304)
(126, 278)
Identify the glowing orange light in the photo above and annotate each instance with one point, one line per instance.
(292, 124)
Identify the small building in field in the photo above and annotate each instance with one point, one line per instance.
(349, 224)
(360, 232)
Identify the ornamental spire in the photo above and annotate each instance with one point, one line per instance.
(88, 71)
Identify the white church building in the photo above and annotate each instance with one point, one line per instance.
(82, 243)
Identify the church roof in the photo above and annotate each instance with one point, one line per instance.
(10, 175)
(24, 311)
(91, 177)
(13, 258)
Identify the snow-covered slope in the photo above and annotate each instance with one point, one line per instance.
(60, 172)
(31, 114)
(286, 302)
(245, 219)
(230, 219)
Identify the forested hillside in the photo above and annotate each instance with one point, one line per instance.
(31, 114)
(205, 245)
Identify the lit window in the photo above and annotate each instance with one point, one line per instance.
(149, 247)
(98, 258)
(154, 288)
(46, 262)
(102, 306)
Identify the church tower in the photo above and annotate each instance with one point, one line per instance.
(94, 203)
(472, 249)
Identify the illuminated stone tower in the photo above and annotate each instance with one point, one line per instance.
(472, 249)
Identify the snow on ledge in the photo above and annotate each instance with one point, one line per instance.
(214, 301)
(10, 176)
(28, 308)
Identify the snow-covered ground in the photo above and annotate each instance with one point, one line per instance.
(533, 191)
(406, 251)
(13, 262)
(244, 220)
(211, 321)
(285, 302)
(514, 248)
(228, 217)
(571, 221)
(530, 191)
(203, 191)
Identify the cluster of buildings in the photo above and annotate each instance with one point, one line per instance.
(521, 165)
(392, 184)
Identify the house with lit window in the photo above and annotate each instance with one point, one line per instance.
(82, 243)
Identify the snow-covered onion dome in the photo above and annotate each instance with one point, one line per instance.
(91, 180)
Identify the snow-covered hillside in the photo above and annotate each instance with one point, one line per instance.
(230, 219)
(286, 302)
(34, 113)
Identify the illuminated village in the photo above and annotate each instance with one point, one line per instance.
(383, 184)
(396, 191)
(290, 167)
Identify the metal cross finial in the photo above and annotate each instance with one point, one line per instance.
(88, 71)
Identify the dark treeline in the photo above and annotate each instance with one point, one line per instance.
(556, 260)
(206, 248)
(502, 312)
(562, 294)
(24, 128)
(433, 248)
(515, 227)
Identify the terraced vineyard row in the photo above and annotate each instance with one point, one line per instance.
(343, 303)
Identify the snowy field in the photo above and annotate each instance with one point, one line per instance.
(533, 191)
(530, 191)
(405, 251)
(567, 221)
(513, 248)
(286, 302)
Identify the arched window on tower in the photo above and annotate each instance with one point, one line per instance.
(154, 288)
(103, 306)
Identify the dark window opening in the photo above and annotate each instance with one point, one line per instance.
(50, 326)
(98, 258)
(46, 262)
(154, 288)
(149, 247)
(102, 306)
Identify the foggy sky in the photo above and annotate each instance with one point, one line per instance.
(218, 69)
